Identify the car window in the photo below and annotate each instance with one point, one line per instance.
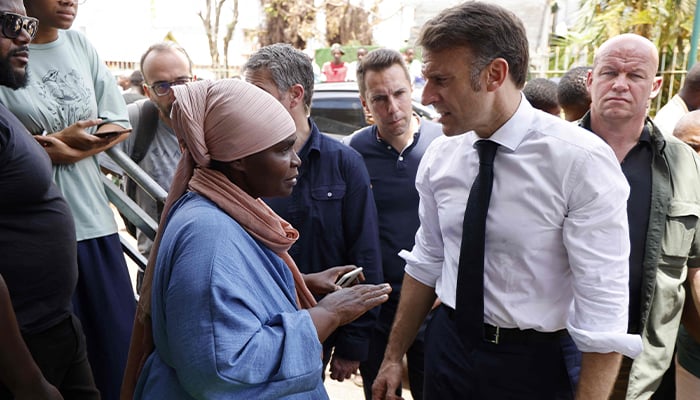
(338, 115)
(337, 110)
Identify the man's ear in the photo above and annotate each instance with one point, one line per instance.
(364, 103)
(296, 93)
(368, 114)
(146, 90)
(655, 87)
(589, 79)
(496, 73)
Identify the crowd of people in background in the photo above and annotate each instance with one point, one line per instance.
(539, 240)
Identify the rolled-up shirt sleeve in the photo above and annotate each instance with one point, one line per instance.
(596, 236)
(424, 262)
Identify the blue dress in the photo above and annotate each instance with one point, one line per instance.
(224, 314)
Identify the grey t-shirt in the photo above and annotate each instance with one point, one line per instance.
(160, 162)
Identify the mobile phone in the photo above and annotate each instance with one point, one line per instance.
(348, 278)
(111, 134)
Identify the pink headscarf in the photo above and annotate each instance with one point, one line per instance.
(228, 120)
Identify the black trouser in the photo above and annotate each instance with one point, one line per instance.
(511, 369)
(61, 355)
(377, 346)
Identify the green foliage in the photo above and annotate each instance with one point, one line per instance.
(667, 23)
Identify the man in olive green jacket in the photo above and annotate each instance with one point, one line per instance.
(663, 208)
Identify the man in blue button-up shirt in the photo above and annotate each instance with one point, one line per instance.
(331, 205)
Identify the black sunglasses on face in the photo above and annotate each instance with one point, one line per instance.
(12, 25)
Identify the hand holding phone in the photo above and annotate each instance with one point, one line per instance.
(111, 134)
(349, 278)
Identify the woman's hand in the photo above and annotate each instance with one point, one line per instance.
(321, 283)
(346, 305)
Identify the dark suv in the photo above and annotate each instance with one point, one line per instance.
(337, 110)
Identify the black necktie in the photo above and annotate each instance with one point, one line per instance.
(469, 308)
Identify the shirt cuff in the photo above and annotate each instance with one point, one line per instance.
(423, 272)
(606, 342)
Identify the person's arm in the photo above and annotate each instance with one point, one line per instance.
(694, 286)
(346, 305)
(18, 371)
(598, 374)
(596, 236)
(111, 109)
(221, 305)
(691, 308)
(595, 233)
(416, 301)
(74, 143)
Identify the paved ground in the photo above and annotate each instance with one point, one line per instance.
(351, 390)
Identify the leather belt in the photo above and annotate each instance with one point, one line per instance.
(497, 335)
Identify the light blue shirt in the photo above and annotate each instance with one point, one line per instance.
(224, 314)
(68, 82)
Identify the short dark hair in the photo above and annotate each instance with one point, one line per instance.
(378, 60)
(572, 90)
(136, 78)
(691, 88)
(288, 67)
(488, 31)
(541, 93)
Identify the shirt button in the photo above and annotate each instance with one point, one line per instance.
(330, 194)
(401, 158)
(388, 147)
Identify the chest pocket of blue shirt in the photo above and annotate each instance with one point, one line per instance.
(327, 211)
(681, 222)
(328, 192)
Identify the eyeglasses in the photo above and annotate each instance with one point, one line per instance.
(12, 25)
(163, 88)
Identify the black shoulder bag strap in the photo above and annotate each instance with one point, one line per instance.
(146, 131)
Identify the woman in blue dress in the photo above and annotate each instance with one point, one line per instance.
(230, 315)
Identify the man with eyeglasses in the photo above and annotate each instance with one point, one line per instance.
(70, 96)
(42, 347)
(152, 143)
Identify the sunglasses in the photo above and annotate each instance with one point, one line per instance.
(12, 25)
(163, 88)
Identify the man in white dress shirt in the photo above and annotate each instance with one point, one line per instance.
(687, 100)
(556, 236)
